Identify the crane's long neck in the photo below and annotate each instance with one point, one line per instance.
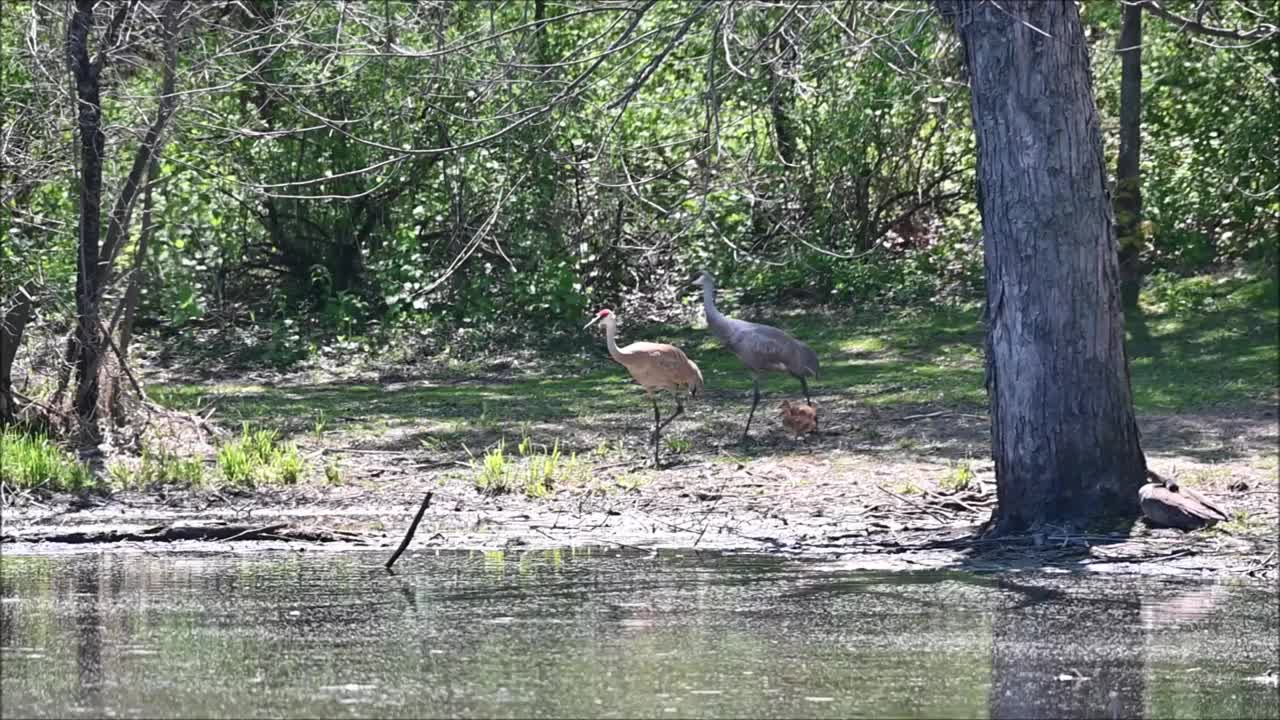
(611, 338)
(715, 321)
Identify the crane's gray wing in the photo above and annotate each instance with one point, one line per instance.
(764, 347)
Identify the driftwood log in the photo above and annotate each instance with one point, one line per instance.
(171, 533)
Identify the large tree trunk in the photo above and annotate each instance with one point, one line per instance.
(1128, 193)
(1063, 432)
(88, 336)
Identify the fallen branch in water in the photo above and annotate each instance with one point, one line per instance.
(413, 528)
(172, 533)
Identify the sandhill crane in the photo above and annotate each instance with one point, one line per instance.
(760, 347)
(656, 366)
(1166, 504)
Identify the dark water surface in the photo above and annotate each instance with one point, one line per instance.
(596, 633)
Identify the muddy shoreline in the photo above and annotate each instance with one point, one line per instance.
(776, 506)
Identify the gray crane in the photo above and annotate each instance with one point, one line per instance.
(760, 347)
(655, 366)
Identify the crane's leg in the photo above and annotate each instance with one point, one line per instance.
(657, 428)
(755, 400)
(679, 411)
(805, 386)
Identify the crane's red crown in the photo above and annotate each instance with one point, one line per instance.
(604, 313)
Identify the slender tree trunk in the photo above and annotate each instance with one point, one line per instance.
(1128, 199)
(88, 337)
(119, 221)
(1064, 435)
(130, 310)
(15, 313)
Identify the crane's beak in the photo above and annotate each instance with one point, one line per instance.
(593, 322)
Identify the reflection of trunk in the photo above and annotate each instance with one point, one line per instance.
(89, 636)
(1064, 436)
(15, 313)
(1068, 659)
(1128, 193)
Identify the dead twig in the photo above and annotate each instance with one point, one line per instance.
(924, 416)
(265, 530)
(927, 510)
(413, 527)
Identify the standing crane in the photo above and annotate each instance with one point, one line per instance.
(656, 366)
(760, 347)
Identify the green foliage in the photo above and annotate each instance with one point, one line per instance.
(31, 461)
(257, 457)
(767, 147)
(1208, 106)
(333, 473)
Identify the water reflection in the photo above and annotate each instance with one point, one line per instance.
(1068, 659)
(598, 634)
(88, 634)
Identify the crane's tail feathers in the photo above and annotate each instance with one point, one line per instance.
(695, 384)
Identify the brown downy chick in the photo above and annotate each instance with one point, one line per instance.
(799, 419)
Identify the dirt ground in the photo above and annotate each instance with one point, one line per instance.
(874, 489)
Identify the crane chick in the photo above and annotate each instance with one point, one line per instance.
(799, 419)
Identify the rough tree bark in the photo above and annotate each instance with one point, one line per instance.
(15, 312)
(88, 335)
(1128, 191)
(1064, 436)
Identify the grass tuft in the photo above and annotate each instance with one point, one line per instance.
(28, 462)
(155, 468)
(258, 458)
(958, 478)
(534, 470)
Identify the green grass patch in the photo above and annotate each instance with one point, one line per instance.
(1205, 341)
(257, 457)
(1197, 343)
(534, 470)
(155, 468)
(33, 461)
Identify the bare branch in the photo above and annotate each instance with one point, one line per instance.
(1262, 32)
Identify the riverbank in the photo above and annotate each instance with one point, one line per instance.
(834, 496)
(550, 449)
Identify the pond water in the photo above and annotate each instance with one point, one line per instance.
(591, 633)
